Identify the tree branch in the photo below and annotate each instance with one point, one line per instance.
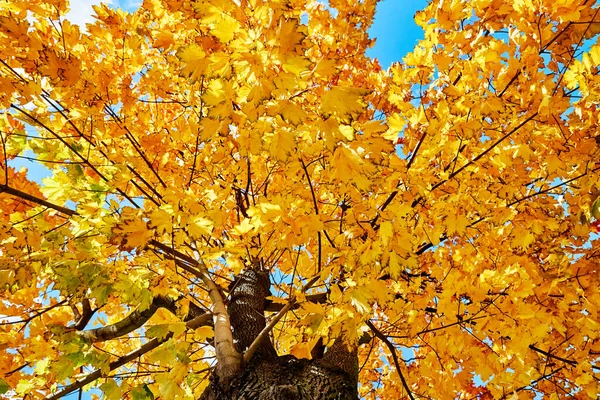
(130, 323)
(265, 332)
(28, 197)
(550, 355)
(541, 378)
(85, 316)
(315, 204)
(390, 346)
(483, 153)
(228, 359)
(313, 298)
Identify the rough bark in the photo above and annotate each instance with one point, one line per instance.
(268, 376)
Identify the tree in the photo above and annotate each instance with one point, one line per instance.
(243, 205)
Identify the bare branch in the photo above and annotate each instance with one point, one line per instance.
(390, 346)
(265, 332)
(85, 316)
(136, 319)
(313, 298)
(27, 197)
(550, 355)
(130, 323)
(314, 197)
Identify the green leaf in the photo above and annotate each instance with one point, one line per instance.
(4, 387)
(142, 392)
(595, 209)
(158, 331)
(111, 390)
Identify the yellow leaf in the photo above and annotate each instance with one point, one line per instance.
(136, 233)
(200, 334)
(595, 54)
(225, 28)
(359, 299)
(198, 226)
(395, 265)
(301, 350)
(343, 101)
(243, 227)
(24, 387)
(195, 61)
(522, 239)
(296, 65)
(457, 223)
(386, 231)
(396, 125)
(347, 131)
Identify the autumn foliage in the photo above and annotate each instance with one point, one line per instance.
(440, 215)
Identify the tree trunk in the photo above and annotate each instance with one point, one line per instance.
(268, 376)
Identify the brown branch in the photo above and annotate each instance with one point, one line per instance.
(556, 37)
(414, 155)
(512, 80)
(550, 355)
(11, 372)
(151, 345)
(314, 197)
(313, 298)
(392, 349)
(85, 316)
(136, 319)
(439, 328)
(5, 159)
(197, 137)
(178, 257)
(133, 321)
(577, 46)
(551, 188)
(453, 174)
(28, 197)
(265, 332)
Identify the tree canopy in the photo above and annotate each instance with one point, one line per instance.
(439, 216)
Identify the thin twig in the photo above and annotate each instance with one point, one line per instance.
(550, 355)
(314, 197)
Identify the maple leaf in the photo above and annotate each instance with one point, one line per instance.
(343, 102)
(195, 61)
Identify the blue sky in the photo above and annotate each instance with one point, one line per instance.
(395, 30)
